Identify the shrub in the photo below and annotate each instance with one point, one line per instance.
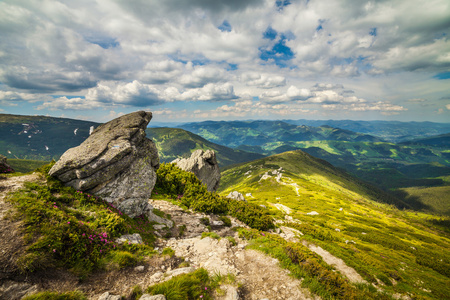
(48, 295)
(194, 285)
(212, 235)
(190, 192)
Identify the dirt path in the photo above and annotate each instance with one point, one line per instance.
(337, 263)
(261, 276)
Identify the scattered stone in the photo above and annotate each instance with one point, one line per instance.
(282, 207)
(13, 290)
(231, 292)
(204, 165)
(159, 227)
(154, 297)
(363, 233)
(313, 213)
(350, 241)
(248, 195)
(108, 296)
(180, 271)
(217, 223)
(235, 195)
(139, 269)
(134, 238)
(4, 166)
(338, 230)
(116, 162)
(341, 209)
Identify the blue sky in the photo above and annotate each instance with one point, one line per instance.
(199, 60)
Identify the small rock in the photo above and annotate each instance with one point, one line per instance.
(154, 297)
(108, 296)
(313, 213)
(236, 196)
(341, 209)
(338, 230)
(134, 238)
(159, 226)
(248, 195)
(217, 223)
(180, 271)
(139, 269)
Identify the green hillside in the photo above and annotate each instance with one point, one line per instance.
(260, 133)
(40, 137)
(174, 142)
(399, 251)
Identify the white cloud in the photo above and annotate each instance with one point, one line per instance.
(265, 81)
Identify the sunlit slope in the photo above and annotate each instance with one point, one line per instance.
(174, 142)
(397, 250)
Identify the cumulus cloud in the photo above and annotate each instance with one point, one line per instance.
(145, 53)
(265, 81)
(200, 76)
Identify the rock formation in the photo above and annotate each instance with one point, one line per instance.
(116, 162)
(204, 165)
(4, 167)
(235, 195)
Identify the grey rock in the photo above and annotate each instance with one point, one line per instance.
(13, 290)
(116, 162)
(134, 238)
(236, 196)
(204, 165)
(4, 166)
(108, 296)
(154, 297)
(180, 271)
(231, 293)
(139, 269)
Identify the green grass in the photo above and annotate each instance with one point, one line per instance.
(48, 295)
(196, 285)
(26, 165)
(67, 228)
(407, 251)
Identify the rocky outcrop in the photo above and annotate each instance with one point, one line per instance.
(204, 165)
(4, 166)
(235, 195)
(116, 162)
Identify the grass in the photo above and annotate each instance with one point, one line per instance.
(67, 228)
(48, 295)
(26, 165)
(401, 251)
(195, 285)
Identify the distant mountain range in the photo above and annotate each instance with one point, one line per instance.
(421, 162)
(260, 133)
(174, 142)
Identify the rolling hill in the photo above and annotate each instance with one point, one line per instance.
(46, 138)
(174, 142)
(260, 133)
(392, 131)
(40, 137)
(402, 253)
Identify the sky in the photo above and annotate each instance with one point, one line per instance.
(194, 60)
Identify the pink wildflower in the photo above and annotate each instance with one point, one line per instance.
(54, 250)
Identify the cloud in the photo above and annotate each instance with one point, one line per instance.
(200, 76)
(130, 94)
(265, 81)
(210, 92)
(64, 103)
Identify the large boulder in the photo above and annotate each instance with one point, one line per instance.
(116, 162)
(204, 165)
(4, 166)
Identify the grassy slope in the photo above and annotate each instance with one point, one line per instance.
(173, 143)
(390, 245)
(26, 165)
(28, 141)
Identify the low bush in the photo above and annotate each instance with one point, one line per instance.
(195, 285)
(47, 295)
(190, 192)
(69, 228)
